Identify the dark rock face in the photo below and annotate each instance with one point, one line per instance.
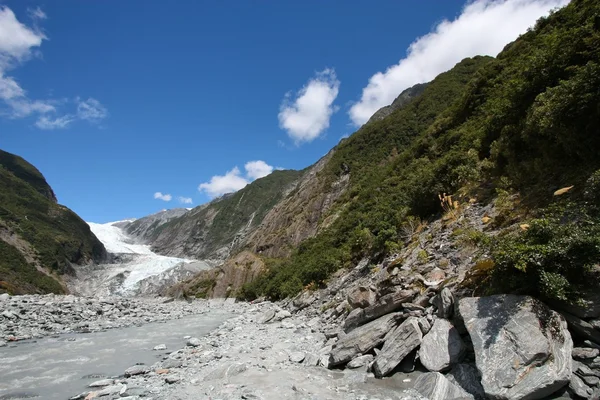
(385, 305)
(523, 333)
(442, 347)
(398, 344)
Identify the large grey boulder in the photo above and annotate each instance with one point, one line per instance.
(467, 377)
(385, 305)
(398, 344)
(442, 347)
(363, 339)
(362, 297)
(435, 386)
(444, 302)
(522, 348)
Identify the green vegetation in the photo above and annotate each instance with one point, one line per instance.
(57, 236)
(527, 121)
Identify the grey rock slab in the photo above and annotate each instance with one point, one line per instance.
(467, 377)
(297, 356)
(385, 305)
(398, 344)
(171, 363)
(311, 360)
(363, 339)
(172, 379)
(523, 333)
(582, 329)
(136, 370)
(584, 353)
(578, 386)
(444, 303)
(360, 361)
(362, 297)
(102, 382)
(4, 296)
(266, 316)
(435, 386)
(442, 347)
(194, 342)
(160, 347)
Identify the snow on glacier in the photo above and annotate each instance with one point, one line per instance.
(145, 262)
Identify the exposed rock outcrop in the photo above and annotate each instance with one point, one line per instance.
(398, 344)
(442, 347)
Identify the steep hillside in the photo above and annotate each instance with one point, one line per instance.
(215, 230)
(519, 126)
(144, 228)
(39, 239)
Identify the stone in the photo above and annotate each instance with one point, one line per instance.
(521, 332)
(226, 371)
(467, 377)
(424, 325)
(4, 296)
(101, 383)
(194, 342)
(582, 329)
(361, 297)
(297, 356)
(160, 347)
(2, 343)
(588, 343)
(444, 303)
(283, 314)
(266, 316)
(588, 306)
(171, 379)
(442, 347)
(136, 370)
(579, 387)
(385, 305)
(435, 386)
(583, 370)
(584, 353)
(363, 339)
(360, 361)
(591, 381)
(161, 371)
(311, 360)
(398, 344)
(171, 363)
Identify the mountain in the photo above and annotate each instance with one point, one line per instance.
(40, 240)
(505, 133)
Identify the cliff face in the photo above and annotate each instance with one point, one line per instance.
(40, 240)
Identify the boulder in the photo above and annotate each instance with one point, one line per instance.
(442, 347)
(363, 339)
(444, 302)
(584, 353)
(194, 342)
(398, 344)
(360, 361)
(385, 305)
(435, 386)
(523, 333)
(467, 377)
(136, 370)
(582, 329)
(578, 386)
(362, 297)
(266, 316)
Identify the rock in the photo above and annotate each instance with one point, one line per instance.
(521, 332)
(360, 361)
(583, 370)
(361, 297)
(444, 302)
(297, 356)
(584, 353)
(398, 344)
(101, 383)
(424, 325)
(363, 339)
(591, 381)
(409, 363)
(226, 371)
(283, 314)
(578, 387)
(311, 360)
(587, 343)
(136, 370)
(4, 296)
(582, 329)
(161, 371)
(467, 377)
(9, 314)
(2, 343)
(435, 386)
(266, 317)
(160, 347)
(170, 363)
(171, 379)
(194, 342)
(385, 305)
(588, 308)
(442, 347)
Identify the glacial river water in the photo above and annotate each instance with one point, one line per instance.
(58, 367)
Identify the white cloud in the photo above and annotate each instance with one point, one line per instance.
(185, 200)
(18, 44)
(257, 169)
(90, 110)
(49, 123)
(307, 115)
(484, 27)
(233, 180)
(163, 197)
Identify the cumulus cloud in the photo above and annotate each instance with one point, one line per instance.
(484, 27)
(233, 180)
(163, 197)
(305, 115)
(185, 200)
(257, 169)
(18, 44)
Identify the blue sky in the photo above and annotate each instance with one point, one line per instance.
(129, 107)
